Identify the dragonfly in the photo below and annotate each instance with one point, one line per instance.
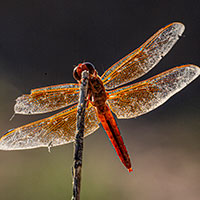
(106, 97)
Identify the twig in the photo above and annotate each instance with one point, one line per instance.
(78, 145)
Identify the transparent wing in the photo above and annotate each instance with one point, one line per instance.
(137, 99)
(47, 99)
(143, 59)
(53, 131)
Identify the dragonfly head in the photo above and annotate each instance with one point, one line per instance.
(81, 67)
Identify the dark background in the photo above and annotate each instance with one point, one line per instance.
(40, 43)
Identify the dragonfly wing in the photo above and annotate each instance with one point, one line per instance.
(143, 59)
(137, 99)
(53, 131)
(47, 99)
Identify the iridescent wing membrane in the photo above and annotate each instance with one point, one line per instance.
(143, 59)
(53, 131)
(47, 99)
(56, 130)
(139, 98)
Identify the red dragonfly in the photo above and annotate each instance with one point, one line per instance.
(104, 96)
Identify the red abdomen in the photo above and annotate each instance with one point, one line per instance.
(109, 124)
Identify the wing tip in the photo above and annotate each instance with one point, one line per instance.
(192, 66)
(195, 68)
(179, 26)
(25, 106)
(3, 145)
(6, 141)
(191, 72)
(22, 104)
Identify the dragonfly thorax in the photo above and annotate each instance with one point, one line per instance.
(96, 91)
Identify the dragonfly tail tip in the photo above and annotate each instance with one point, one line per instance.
(130, 170)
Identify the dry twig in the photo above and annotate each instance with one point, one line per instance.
(78, 145)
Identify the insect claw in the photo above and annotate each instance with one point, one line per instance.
(49, 146)
(12, 117)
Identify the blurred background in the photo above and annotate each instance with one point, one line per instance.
(42, 41)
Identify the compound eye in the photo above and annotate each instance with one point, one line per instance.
(76, 75)
(90, 67)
